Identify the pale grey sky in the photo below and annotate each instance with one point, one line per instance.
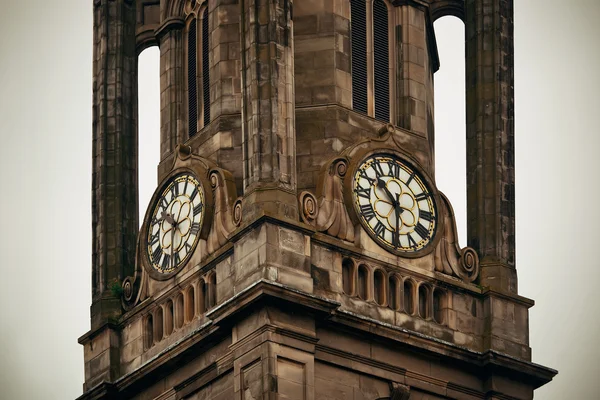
(45, 180)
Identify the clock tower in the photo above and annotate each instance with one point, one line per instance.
(297, 246)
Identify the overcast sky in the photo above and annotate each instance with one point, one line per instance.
(45, 181)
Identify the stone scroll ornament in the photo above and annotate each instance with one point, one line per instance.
(228, 209)
(327, 211)
(450, 258)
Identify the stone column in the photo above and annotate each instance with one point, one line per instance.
(490, 139)
(268, 108)
(173, 125)
(114, 177)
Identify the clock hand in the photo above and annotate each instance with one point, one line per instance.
(381, 184)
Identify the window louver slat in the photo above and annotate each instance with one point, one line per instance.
(205, 69)
(192, 86)
(381, 61)
(358, 35)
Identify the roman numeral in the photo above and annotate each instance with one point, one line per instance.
(185, 186)
(422, 231)
(396, 239)
(188, 247)
(411, 241)
(378, 170)
(193, 195)
(426, 215)
(198, 209)
(394, 170)
(367, 212)
(156, 254)
(379, 229)
(362, 192)
(154, 238)
(410, 178)
(165, 262)
(176, 259)
(164, 203)
(195, 228)
(175, 189)
(422, 196)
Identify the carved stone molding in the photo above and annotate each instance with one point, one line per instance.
(228, 209)
(399, 391)
(450, 258)
(327, 211)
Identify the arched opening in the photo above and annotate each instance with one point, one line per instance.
(393, 289)
(439, 306)
(363, 281)
(189, 304)
(379, 287)
(408, 289)
(358, 55)
(348, 276)
(168, 317)
(148, 125)
(201, 297)
(158, 324)
(381, 59)
(148, 332)
(211, 291)
(450, 137)
(179, 311)
(423, 300)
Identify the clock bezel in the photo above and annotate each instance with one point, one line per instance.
(355, 162)
(205, 223)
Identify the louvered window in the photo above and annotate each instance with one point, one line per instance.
(192, 84)
(381, 61)
(205, 69)
(358, 36)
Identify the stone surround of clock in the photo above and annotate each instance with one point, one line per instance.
(297, 246)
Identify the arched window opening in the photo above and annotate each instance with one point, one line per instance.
(211, 291)
(393, 293)
(363, 281)
(423, 293)
(168, 317)
(439, 306)
(148, 125)
(149, 331)
(201, 297)
(381, 58)
(450, 140)
(348, 276)
(358, 55)
(379, 287)
(158, 324)
(192, 77)
(189, 304)
(179, 311)
(408, 297)
(205, 68)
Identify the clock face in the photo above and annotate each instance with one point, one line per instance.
(175, 226)
(394, 204)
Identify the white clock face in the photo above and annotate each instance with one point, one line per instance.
(175, 226)
(394, 204)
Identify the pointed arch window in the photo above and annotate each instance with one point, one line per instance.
(198, 72)
(370, 58)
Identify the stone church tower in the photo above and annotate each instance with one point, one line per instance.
(297, 246)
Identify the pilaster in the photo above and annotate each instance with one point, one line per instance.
(114, 178)
(490, 140)
(269, 137)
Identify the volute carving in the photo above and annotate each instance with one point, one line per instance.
(227, 211)
(450, 258)
(327, 212)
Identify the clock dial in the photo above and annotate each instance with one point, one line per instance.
(394, 204)
(174, 228)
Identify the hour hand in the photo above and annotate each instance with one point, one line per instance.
(168, 217)
(381, 184)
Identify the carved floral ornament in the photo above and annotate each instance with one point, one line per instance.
(332, 209)
(221, 208)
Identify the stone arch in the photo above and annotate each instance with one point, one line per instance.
(442, 8)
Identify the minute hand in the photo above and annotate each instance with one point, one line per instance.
(383, 186)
